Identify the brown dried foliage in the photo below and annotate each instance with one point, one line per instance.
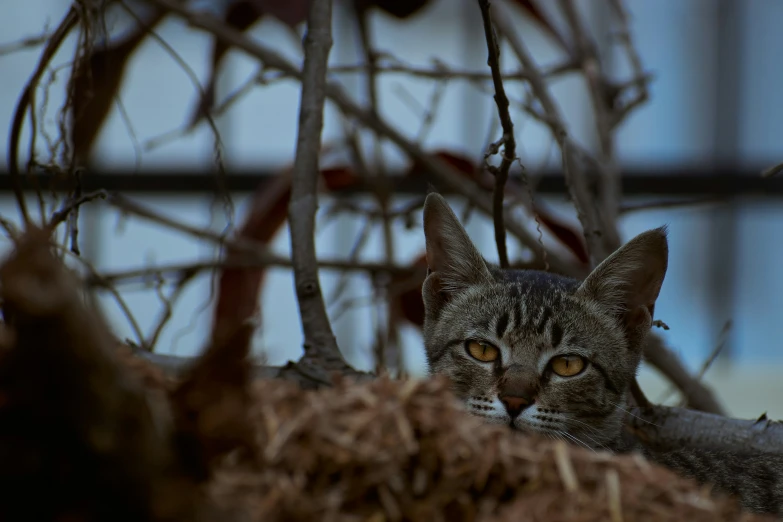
(404, 450)
(77, 430)
(95, 83)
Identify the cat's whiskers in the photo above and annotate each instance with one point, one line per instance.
(616, 405)
(577, 440)
(560, 423)
(601, 445)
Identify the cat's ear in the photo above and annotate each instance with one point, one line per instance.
(454, 262)
(627, 283)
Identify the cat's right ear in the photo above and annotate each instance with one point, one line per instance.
(454, 262)
(627, 283)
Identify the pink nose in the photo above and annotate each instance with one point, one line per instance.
(514, 405)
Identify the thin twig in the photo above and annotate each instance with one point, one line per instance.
(509, 143)
(638, 395)
(107, 279)
(382, 191)
(669, 203)
(168, 308)
(319, 341)
(134, 325)
(62, 214)
(696, 395)
(723, 337)
(641, 79)
(443, 72)
(353, 256)
(772, 171)
(24, 43)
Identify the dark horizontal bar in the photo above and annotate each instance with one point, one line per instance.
(683, 182)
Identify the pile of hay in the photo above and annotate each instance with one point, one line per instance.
(393, 451)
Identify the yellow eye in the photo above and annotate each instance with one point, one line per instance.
(482, 351)
(567, 365)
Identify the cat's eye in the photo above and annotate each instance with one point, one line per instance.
(482, 351)
(567, 365)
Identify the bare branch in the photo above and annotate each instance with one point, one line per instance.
(441, 71)
(509, 143)
(671, 428)
(772, 171)
(320, 343)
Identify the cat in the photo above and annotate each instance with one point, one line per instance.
(548, 354)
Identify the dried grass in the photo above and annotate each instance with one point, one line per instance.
(393, 451)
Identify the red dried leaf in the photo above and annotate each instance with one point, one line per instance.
(340, 178)
(210, 406)
(94, 86)
(290, 12)
(570, 238)
(532, 10)
(462, 164)
(239, 288)
(398, 8)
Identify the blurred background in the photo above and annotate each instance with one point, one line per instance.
(715, 113)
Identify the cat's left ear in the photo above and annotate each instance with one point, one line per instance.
(627, 283)
(454, 263)
(450, 252)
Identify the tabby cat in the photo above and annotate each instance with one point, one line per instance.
(552, 355)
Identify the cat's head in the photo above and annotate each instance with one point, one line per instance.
(537, 351)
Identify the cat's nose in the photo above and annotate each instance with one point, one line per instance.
(515, 405)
